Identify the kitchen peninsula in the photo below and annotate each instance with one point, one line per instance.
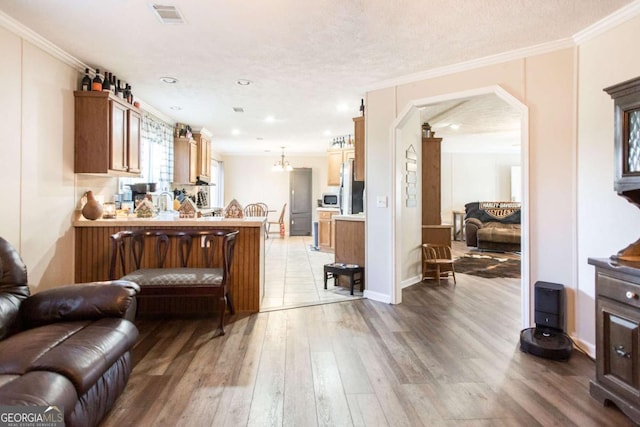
(93, 250)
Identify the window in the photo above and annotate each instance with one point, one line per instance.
(156, 153)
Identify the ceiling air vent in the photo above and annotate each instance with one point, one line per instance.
(167, 14)
(238, 109)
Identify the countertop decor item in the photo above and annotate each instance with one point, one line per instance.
(92, 208)
(109, 210)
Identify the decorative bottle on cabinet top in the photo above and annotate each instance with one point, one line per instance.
(97, 82)
(86, 81)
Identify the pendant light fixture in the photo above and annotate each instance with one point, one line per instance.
(282, 164)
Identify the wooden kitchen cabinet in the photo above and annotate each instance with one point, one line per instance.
(326, 229)
(203, 142)
(335, 157)
(358, 132)
(617, 336)
(107, 135)
(185, 161)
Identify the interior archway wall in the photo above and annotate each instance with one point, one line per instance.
(404, 219)
(545, 83)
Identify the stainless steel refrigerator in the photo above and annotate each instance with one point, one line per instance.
(351, 191)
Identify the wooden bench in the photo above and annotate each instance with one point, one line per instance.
(160, 262)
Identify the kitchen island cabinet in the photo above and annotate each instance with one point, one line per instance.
(93, 254)
(349, 244)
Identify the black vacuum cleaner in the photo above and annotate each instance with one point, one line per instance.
(547, 339)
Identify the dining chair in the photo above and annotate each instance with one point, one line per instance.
(437, 262)
(279, 222)
(255, 209)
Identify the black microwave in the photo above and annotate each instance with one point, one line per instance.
(330, 200)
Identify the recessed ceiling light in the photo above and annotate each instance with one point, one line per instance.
(169, 80)
(238, 109)
(270, 119)
(243, 82)
(455, 127)
(176, 108)
(327, 132)
(235, 132)
(260, 138)
(342, 108)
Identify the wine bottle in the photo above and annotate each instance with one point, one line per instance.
(118, 90)
(129, 95)
(113, 84)
(86, 81)
(106, 85)
(362, 106)
(97, 82)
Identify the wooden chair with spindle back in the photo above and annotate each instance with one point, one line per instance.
(437, 262)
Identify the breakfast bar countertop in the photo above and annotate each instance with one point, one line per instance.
(160, 221)
(353, 217)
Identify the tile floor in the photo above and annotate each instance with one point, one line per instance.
(294, 275)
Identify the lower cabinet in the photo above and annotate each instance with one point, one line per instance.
(326, 229)
(617, 337)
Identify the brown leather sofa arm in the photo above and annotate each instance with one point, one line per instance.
(471, 227)
(85, 301)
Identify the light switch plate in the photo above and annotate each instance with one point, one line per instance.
(381, 201)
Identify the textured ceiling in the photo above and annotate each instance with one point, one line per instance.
(305, 58)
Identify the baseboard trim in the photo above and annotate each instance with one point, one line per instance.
(587, 347)
(410, 281)
(376, 296)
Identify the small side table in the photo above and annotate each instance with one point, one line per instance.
(458, 225)
(333, 270)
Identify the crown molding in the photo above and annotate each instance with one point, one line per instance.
(475, 63)
(36, 39)
(608, 22)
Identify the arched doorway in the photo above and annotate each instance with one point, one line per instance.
(407, 114)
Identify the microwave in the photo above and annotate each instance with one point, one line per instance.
(330, 200)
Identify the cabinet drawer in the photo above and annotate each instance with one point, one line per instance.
(324, 215)
(618, 290)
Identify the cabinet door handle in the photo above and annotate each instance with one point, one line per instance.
(631, 295)
(619, 349)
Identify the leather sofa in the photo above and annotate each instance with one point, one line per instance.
(493, 226)
(67, 347)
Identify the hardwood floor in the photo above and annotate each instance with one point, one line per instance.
(446, 356)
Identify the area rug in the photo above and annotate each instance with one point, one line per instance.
(488, 266)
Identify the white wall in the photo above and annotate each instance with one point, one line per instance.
(249, 179)
(36, 165)
(606, 222)
(411, 268)
(545, 84)
(473, 177)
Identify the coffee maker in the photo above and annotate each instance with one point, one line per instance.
(139, 191)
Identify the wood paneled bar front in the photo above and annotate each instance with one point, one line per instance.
(93, 252)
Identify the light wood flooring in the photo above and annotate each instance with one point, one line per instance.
(446, 356)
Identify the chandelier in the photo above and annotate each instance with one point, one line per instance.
(282, 164)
